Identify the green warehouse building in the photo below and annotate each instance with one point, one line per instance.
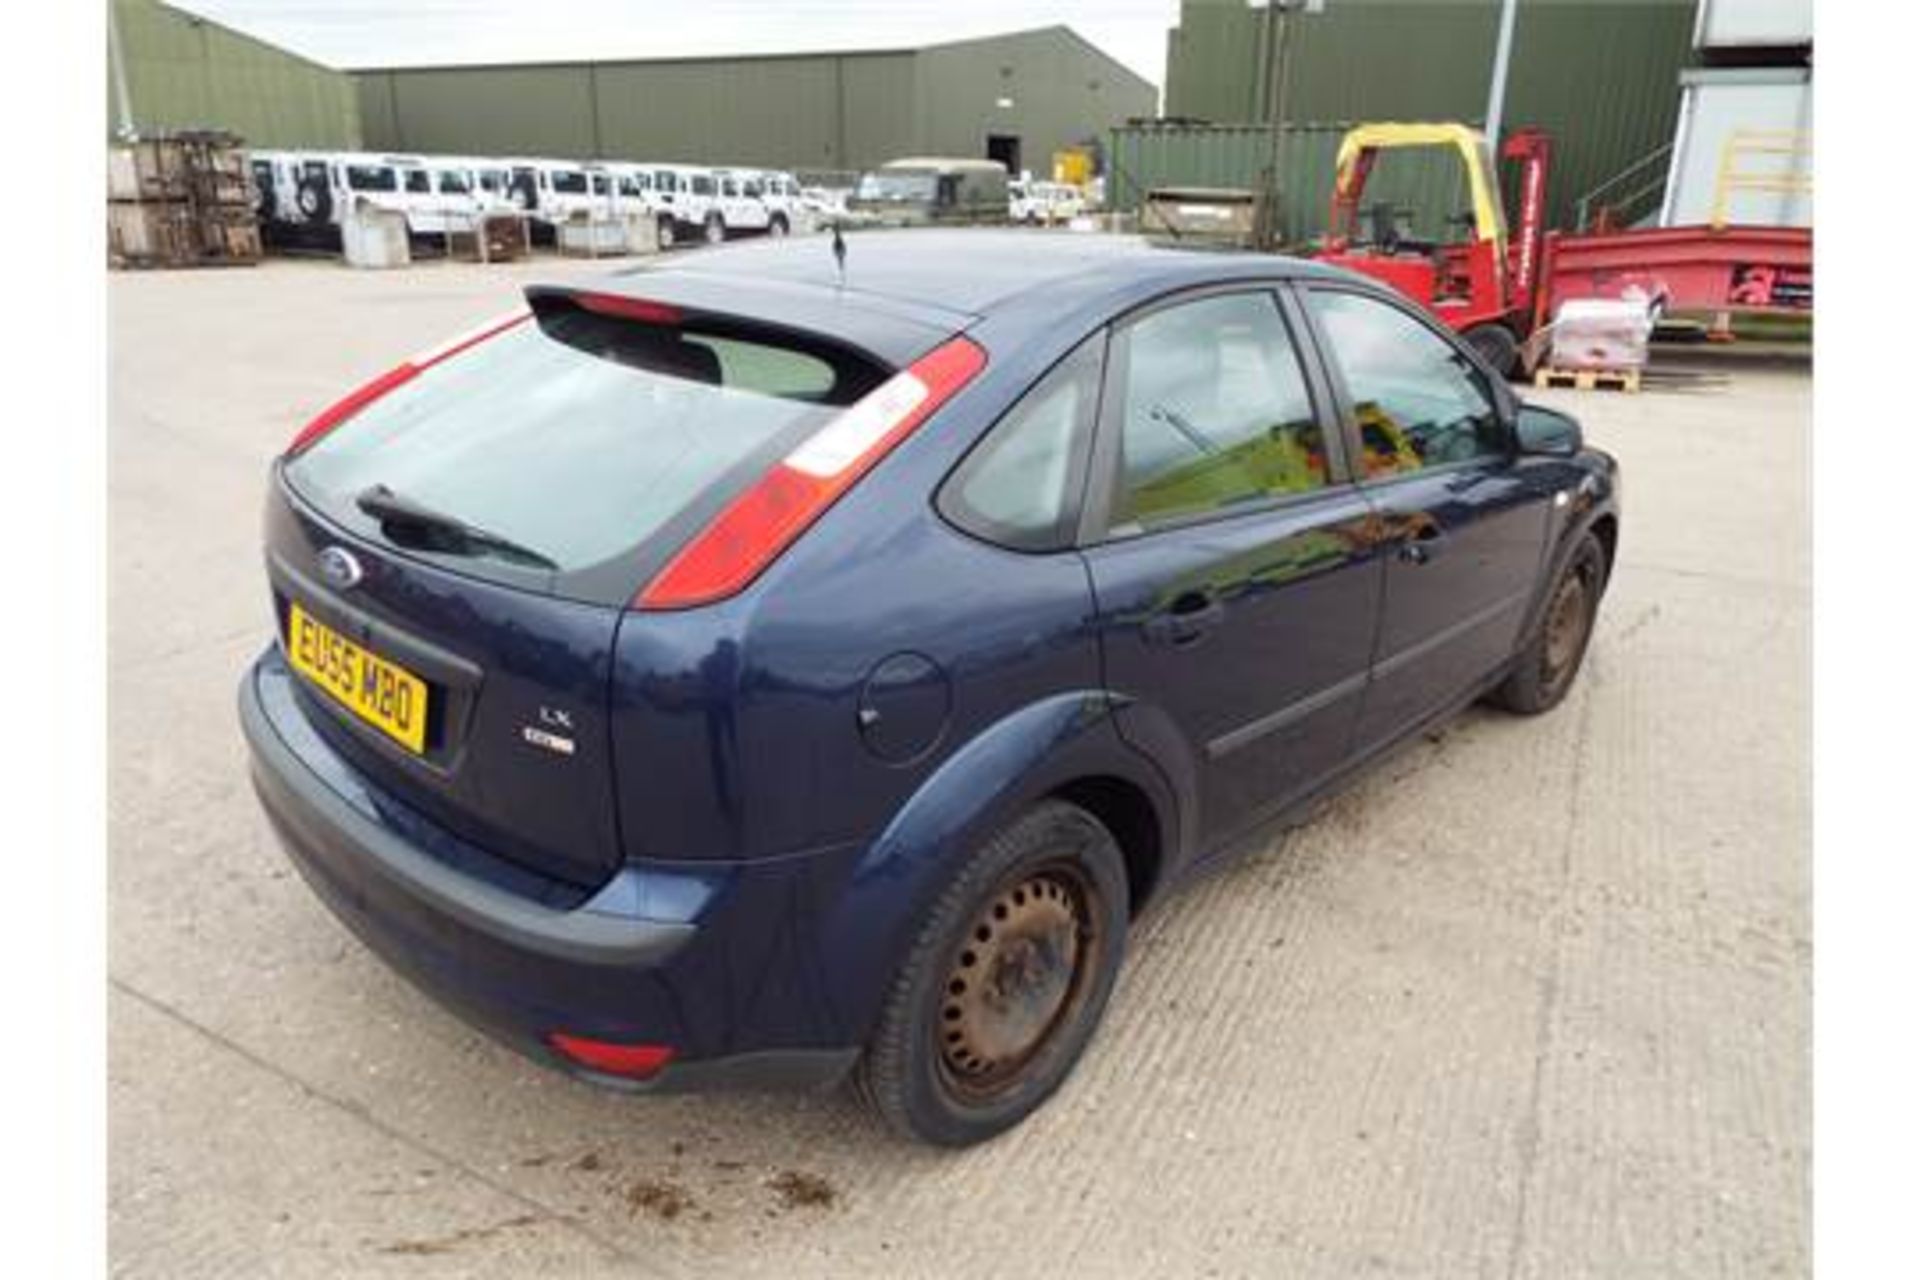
(1017, 97)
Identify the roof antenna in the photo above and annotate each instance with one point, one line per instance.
(839, 253)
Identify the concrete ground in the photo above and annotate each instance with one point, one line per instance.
(1532, 1000)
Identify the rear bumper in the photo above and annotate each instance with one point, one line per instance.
(661, 955)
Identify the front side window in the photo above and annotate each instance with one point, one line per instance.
(599, 184)
(417, 182)
(1015, 488)
(1215, 412)
(569, 182)
(453, 183)
(1417, 399)
(702, 185)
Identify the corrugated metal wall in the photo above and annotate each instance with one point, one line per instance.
(803, 111)
(1431, 183)
(184, 72)
(1602, 76)
(825, 111)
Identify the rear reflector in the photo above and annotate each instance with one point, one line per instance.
(752, 530)
(404, 372)
(635, 1061)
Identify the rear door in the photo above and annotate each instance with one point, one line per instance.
(1230, 553)
(1464, 529)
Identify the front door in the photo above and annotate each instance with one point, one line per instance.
(1233, 571)
(1463, 528)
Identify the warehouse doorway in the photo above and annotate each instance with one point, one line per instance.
(1005, 147)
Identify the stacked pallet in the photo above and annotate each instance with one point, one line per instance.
(181, 200)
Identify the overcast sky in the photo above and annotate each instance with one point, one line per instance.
(364, 33)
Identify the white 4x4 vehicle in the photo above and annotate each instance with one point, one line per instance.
(786, 210)
(742, 207)
(555, 190)
(690, 204)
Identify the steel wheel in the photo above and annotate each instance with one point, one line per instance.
(1566, 625)
(1022, 972)
(1545, 667)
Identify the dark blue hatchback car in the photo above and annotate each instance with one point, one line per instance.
(750, 671)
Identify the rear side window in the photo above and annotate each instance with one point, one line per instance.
(453, 182)
(371, 177)
(1019, 487)
(579, 436)
(1215, 412)
(417, 181)
(569, 182)
(702, 185)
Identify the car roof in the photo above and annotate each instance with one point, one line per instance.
(968, 272)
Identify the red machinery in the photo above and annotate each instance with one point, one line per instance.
(1497, 291)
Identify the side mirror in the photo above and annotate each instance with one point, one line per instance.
(1547, 432)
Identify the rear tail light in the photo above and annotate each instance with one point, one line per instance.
(752, 530)
(634, 1061)
(404, 372)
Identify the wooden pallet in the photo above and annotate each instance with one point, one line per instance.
(1587, 379)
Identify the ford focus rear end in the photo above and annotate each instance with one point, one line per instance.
(480, 565)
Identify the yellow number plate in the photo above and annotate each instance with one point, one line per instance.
(388, 697)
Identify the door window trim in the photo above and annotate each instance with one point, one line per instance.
(1106, 476)
(1349, 425)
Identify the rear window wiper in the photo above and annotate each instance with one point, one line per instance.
(438, 531)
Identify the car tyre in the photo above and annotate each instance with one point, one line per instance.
(777, 225)
(715, 231)
(1005, 983)
(1546, 667)
(663, 233)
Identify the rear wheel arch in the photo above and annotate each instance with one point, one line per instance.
(1130, 814)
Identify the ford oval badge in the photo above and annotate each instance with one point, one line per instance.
(340, 567)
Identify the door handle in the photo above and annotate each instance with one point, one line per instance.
(1186, 621)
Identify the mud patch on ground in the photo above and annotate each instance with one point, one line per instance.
(800, 1190)
(664, 1200)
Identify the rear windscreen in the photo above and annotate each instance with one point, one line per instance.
(578, 436)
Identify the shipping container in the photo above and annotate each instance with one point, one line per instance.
(1429, 184)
